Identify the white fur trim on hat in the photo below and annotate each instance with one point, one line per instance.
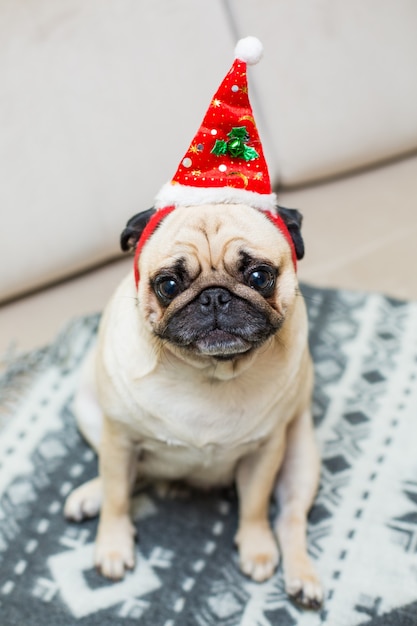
(181, 195)
(249, 49)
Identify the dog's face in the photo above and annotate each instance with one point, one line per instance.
(216, 281)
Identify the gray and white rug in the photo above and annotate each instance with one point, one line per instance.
(363, 526)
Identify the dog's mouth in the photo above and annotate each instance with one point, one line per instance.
(219, 325)
(222, 345)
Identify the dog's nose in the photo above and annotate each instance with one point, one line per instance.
(214, 298)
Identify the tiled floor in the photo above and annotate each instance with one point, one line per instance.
(360, 233)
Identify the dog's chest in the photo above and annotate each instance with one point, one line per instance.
(204, 417)
(199, 431)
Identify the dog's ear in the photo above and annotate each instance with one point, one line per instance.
(134, 228)
(293, 220)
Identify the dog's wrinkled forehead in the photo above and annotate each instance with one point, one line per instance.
(212, 238)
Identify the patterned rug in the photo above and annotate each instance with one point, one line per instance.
(362, 530)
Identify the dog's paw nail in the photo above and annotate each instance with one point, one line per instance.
(246, 567)
(260, 566)
(307, 594)
(112, 568)
(263, 571)
(115, 549)
(113, 565)
(258, 552)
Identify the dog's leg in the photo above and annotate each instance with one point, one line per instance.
(256, 473)
(296, 488)
(114, 550)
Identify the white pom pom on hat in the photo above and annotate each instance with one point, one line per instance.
(249, 50)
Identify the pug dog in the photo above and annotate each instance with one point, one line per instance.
(202, 373)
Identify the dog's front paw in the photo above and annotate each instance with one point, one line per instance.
(115, 548)
(85, 501)
(303, 585)
(258, 551)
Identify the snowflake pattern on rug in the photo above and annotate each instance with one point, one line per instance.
(362, 528)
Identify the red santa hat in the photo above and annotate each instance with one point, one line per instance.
(225, 161)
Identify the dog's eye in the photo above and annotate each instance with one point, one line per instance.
(166, 288)
(262, 279)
